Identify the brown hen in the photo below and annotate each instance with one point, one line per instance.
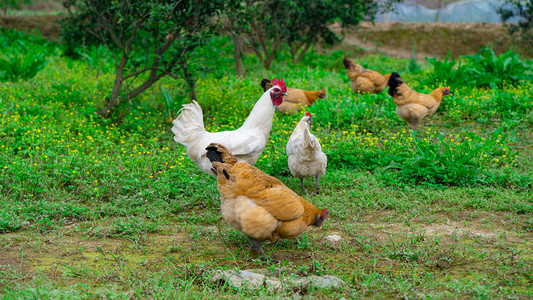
(364, 80)
(257, 204)
(295, 98)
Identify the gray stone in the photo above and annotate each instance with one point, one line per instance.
(248, 279)
(326, 281)
(252, 280)
(333, 238)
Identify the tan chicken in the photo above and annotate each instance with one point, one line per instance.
(257, 204)
(413, 107)
(364, 80)
(306, 158)
(295, 98)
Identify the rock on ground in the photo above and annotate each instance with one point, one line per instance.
(251, 279)
(333, 238)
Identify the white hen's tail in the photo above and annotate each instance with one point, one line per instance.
(189, 124)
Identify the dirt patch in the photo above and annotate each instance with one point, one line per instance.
(48, 25)
(431, 39)
(431, 3)
(44, 5)
(434, 230)
(68, 244)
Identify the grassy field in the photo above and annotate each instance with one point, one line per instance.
(93, 208)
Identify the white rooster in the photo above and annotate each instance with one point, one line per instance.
(306, 158)
(246, 143)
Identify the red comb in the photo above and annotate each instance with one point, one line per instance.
(308, 114)
(324, 213)
(279, 82)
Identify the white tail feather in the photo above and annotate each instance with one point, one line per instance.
(189, 124)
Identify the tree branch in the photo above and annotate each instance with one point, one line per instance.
(142, 71)
(308, 45)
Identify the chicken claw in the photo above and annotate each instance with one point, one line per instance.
(317, 191)
(257, 247)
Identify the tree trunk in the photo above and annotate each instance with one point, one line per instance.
(292, 50)
(189, 79)
(112, 102)
(192, 93)
(237, 52)
(301, 56)
(268, 60)
(270, 56)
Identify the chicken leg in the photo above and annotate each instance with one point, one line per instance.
(302, 182)
(317, 191)
(257, 246)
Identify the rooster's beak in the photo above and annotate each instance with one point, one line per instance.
(284, 94)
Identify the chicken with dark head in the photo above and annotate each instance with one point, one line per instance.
(413, 107)
(257, 204)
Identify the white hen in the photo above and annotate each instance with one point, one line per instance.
(246, 143)
(306, 158)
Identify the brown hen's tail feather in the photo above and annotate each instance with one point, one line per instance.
(394, 82)
(266, 84)
(387, 77)
(219, 153)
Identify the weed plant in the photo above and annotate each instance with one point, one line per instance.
(22, 56)
(453, 162)
(484, 69)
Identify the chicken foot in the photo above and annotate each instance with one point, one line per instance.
(257, 246)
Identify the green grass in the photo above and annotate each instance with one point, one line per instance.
(114, 208)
